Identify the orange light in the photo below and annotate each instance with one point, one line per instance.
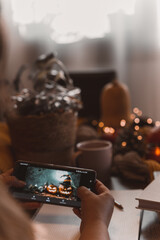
(109, 130)
(101, 124)
(135, 133)
(132, 116)
(106, 129)
(124, 144)
(137, 120)
(139, 113)
(149, 120)
(112, 130)
(157, 123)
(157, 151)
(139, 137)
(94, 123)
(136, 128)
(136, 110)
(123, 123)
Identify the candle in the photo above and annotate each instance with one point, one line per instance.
(154, 153)
(157, 151)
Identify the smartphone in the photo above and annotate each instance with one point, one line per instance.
(53, 184)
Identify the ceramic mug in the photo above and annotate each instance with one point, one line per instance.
(96, 155)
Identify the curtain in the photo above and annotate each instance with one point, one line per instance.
(118, 34)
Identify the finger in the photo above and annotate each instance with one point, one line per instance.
(30, 205)
(13, 181)
(18, 183)
(83, 192)
(8, 172)
(77, 212)
(100, 187)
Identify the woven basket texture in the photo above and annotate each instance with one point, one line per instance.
(48, 138)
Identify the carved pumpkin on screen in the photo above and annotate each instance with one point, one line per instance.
(51, 189)
(65, 188)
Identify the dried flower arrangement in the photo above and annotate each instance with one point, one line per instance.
(42, 119)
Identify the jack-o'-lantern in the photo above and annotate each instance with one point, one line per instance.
(51, 189)
(65, 188)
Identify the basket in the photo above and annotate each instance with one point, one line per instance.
(49, 138)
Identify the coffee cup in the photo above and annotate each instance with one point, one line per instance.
(96, 155)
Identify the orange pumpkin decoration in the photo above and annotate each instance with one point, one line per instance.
(115, 104)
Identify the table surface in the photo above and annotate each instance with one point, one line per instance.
(150, 224)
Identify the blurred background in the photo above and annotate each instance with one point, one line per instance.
(91, 35)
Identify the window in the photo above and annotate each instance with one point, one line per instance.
(66, 21)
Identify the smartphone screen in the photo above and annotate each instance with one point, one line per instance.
(51, 183)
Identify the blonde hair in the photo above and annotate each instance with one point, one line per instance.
(14, 223)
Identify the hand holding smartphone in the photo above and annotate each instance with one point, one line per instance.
(53, 184)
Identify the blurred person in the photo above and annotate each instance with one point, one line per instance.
(3, 47)
(11, 181)
(6, 155)
(14, 224)
(95, 213)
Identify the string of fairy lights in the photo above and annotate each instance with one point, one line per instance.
(135, 124)
(135, 116)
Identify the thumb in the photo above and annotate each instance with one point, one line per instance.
(83, 192)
